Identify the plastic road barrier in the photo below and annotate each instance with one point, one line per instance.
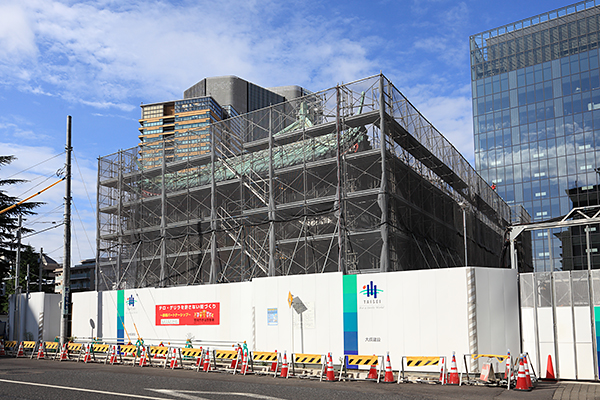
(488, 358)
(362, 361)
(222, 360)
(261, 362)
(190, 357)
(100, 352)
(11, 348)
(29, 348)
(419, 362)
(308, 365)
(158, 355)
(127, 354)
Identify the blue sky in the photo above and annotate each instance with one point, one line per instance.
(98, 60)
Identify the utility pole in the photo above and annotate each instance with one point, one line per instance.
(17, 296)
(66, 280)
(41, 264)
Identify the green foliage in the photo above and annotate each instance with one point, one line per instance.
(9, 222)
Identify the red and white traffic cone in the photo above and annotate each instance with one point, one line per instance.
(521, 380)
(527, 375)
(507, 371)
(143, 357)
(87, 357)
(206, 366)
(453, 378)
(199, 360)
(2, 350)
(274, 363)
(234, 361)
(174, 363)
(64, 353)
(244, 362)
(373, 371)
(284, 367)
(20, 352)
(330, 373)
(443, 374)
(113, 355)
(41, 355)
(389, 375)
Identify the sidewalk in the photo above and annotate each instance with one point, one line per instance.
(577, 390)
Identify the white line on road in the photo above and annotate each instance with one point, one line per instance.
(182, 394)
(137, 396)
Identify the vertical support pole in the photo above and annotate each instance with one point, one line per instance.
(66, 281)
(212, 279)
(464, 215)
(17, 296)
(340, 206)
(382, 198)
(118, 276)
(549, 234)
(472, 308)
(40, 272)
(554, 328)
(163, 218)
(272, 241)
(592, 302)
(97, 268)
(513, 254)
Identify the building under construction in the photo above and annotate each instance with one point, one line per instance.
(350, 179)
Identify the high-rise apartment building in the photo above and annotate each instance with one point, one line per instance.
(536, 114)
(166, 128)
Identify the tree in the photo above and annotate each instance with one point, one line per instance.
(9, 222)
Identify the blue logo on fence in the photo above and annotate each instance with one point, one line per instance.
(371, 290)
(131, 301)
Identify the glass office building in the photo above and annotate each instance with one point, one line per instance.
(536, 114)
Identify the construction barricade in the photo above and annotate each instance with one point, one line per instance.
(308, 366)
(226, 360)
(10, 347)
(261, 361)
(28, 348)
(125, 354)
(49, 351)
(158, 355)
(496, 369)
(435, 364)
(99, 352)
(191, 358)
(374, 363)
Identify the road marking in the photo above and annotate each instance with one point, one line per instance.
(137, 396)
(182, 394)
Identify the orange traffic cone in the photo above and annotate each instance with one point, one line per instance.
(87, 357)
(550, 370)
(206, 366)
(453, 378)
(143, 357)
(274, 364)
(199, 360)
(527, 376)
(113, 355)
(64, 353)
(372, 372)
(389, 375)
(2, 350)
(507, 371)
(521, 380)
(235, 359)
(244, 362)
(443, 374)
(284, 366)
(41, 355)
(330, 372)
(174, 363)
(20, 352)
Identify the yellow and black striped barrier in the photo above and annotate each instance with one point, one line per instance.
(313, 360)
(11, 347)
(226, 354)
(502, 360)
(258, 356)
(433, 363)
(191, 352)
(100, 348)
(358, 360)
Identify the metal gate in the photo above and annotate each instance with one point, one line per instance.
(559, 318)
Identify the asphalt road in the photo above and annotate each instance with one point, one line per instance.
(45, 379)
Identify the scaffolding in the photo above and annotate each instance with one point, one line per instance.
(351, 179)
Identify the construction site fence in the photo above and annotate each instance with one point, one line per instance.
(230, 360)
